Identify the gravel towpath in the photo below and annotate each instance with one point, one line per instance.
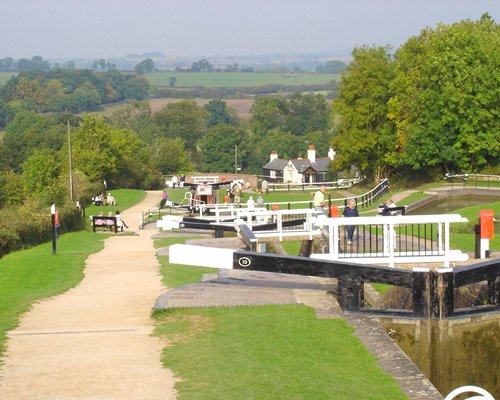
(94, 341)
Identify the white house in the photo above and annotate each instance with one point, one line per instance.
(298, 170)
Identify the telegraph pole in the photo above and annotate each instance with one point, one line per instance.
(70, 163)
(236, 159)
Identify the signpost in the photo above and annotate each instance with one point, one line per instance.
(55, 223)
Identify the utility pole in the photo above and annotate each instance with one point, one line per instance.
(236, 159)
(70, 163)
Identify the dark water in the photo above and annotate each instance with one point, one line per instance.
(452, 203)
(452, 353)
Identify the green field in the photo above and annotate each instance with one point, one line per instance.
(5, 76)
(236, 79)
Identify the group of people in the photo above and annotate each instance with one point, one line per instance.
(101, 200)
(120, 223)
(176, 182)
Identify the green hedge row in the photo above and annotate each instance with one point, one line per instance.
(27, 225)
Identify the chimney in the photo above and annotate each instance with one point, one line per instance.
(331, 153)
(311, 153)
(274, 156)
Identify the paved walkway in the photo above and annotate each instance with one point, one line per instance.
(94, 341)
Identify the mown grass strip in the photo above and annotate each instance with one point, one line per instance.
(175, 275)
(268, 352)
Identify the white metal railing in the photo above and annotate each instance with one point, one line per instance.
(208, 179)
(287, 186)
(377, 240)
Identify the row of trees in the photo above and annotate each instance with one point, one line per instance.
(63, 90)
(429, 108)
(23, 64)
(134, 147)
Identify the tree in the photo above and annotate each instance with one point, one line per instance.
(331, 67)
(168, 156)
(219, 113)
(306, 113)
(218, 147)
(29, 131)
(201, 66)
(39, 171)
(11, 188)
(84, 98)
(172, 81)
(363, 134)
(267, 113)
(285, 144)
(92, 151)
(145, 66)
(136, 88)
(184, 120)
(445, 103)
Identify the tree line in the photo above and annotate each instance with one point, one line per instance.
(66, 90)
(429, 108)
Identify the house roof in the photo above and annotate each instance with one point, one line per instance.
(301, 164)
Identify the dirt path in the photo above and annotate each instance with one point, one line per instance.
(94, 342)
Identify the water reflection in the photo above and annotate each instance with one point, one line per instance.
(452, 353)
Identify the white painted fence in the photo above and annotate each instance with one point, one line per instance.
(388, 251)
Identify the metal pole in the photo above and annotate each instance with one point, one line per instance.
(54, 232)
(70, 163)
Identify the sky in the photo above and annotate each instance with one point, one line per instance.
(187, 28)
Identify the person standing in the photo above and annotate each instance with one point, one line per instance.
(237, 193)
(350, 211)
(319, 199)
(164, 198)
(264, 187)
(260, 201)
(251, 203)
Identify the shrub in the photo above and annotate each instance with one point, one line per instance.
(9, 241)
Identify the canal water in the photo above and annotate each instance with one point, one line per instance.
(452, 203)
(452, 353)
(455, 352)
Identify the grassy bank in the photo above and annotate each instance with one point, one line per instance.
(30, 275)
(268, 352)
(265, 352)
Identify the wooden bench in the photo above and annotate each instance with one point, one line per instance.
(99, 221)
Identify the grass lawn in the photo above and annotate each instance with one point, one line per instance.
(236, 79)
(462, 235)
(33, 274)
(268, 352)
(175, 275)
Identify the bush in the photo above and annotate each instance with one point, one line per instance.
(31, 224)
(9, 241)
